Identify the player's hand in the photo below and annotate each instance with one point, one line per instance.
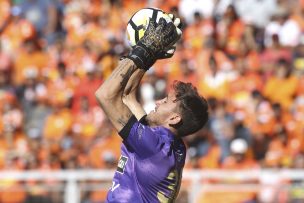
(160, 36)
(128, 99)
(170, 51)
(157, 40)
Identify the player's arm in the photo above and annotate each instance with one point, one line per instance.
(109, 94)
(129, 95)
(157, 39)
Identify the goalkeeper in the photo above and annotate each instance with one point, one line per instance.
(152, 152)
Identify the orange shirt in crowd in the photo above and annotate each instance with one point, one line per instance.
(214, 86)
(300, 88)
(196, 34)
(3, 152)
(107, 64)
(203, 65)
(131, 6)
(248, 82)
(231, 163)
(275, 153)
(27, 62)
(296, 125)
(212, 159)
(190, 76)
(99, 195)
(262, 120)
(85, 124)
(61, 88)
(281, 90)
(16, 32)
(86, 88)
(253, 61)
(211, 85)
(107, 145)
(12, 192)
(57, 124)
(4, 11)
(165, 5)
(235, 32)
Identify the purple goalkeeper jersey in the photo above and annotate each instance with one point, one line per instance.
(150, 166)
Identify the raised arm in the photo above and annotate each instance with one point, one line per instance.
(109, 94)
(129, 95)
(157, 39)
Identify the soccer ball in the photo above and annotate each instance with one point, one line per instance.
(139, 22)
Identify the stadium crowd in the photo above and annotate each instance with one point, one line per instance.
(245, 56)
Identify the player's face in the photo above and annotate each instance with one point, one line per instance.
(164, 110)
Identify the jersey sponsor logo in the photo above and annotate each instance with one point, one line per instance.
(122, 164)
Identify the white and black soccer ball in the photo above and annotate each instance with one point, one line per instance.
(139, 22)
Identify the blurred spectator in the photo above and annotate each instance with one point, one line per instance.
(42, 14)
(11, 113)
(286, 28)
(6, 62)
(202, 7)
(240, 157)
(230, 31)
(255, 12)
(284, 79)
(208, 151)
(86, 88)
(198, 32)
(29, 62)
(215, 81)
(105, 148)
(59, 122)
(298, 56)
(221, 125)
(37, 114)
(87, 120)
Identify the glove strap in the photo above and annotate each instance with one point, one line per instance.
(142, 57)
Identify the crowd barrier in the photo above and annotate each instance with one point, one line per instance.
(71, 186)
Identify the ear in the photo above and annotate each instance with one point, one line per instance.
(174, 120)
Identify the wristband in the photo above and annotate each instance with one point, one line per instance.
(142, 57)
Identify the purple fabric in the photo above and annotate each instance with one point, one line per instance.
(150, 167)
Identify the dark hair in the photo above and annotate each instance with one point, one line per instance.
(235, 15)
(192, 107)
(287, 66)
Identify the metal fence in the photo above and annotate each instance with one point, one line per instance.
(198, 186)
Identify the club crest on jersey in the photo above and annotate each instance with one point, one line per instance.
(122, 164)
(179, 155)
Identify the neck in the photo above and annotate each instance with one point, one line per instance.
(155, 124)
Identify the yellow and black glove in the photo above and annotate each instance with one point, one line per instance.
(157, 40)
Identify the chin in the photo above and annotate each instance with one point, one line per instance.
(152, 118)
(151, 113)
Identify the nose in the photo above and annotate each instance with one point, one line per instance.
(159, 102)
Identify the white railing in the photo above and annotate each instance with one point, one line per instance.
(197, 179)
